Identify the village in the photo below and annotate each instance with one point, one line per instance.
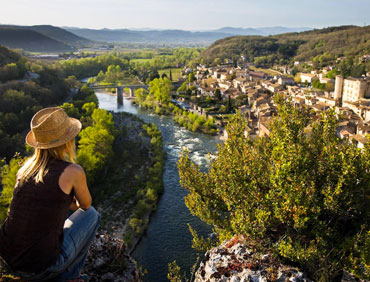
(254, 89)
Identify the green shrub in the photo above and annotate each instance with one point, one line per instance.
(8, 176)
(307, 196)
(136, 225)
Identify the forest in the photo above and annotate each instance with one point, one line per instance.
(140, 63)
(322, 47)
(21, 98)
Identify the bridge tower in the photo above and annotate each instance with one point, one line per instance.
(119, 93)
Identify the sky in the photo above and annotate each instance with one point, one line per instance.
(185, 14)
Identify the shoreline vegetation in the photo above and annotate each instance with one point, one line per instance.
(129, 192)
(125, 168)
(158, 99)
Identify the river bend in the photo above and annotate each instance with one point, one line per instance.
(167, 237)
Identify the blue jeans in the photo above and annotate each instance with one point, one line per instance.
(79, 233)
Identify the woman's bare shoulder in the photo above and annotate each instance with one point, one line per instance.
(75, 168)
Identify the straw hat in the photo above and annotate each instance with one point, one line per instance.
(51, 127)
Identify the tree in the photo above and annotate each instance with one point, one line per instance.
(72, 82)
(95, 144)
(297, 78)
(89, 108)
(9, 72)
(140, 95)
(183, 87)
(306, 196)
(191, 77)
(235, 61)
(8, 179)
(329, 86)
(217, 61)
(160, 88)
(218, 95)
(153, 75)
(316, 83)
(229, 106)
(71, 110)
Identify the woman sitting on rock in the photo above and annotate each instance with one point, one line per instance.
(37, 240)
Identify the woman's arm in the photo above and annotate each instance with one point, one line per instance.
(74, 177)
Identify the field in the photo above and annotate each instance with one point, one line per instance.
(268, 71)
(141, 60)
(176, 73)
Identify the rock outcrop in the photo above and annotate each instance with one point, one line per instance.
(234, 261)
(108, 260)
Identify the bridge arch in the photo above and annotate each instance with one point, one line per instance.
(119, 89)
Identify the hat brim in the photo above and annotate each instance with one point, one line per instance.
(72, 133)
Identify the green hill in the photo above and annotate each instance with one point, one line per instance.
(56, 33)
(285, 48)
(29, 40)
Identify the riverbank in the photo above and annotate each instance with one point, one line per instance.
(167, 237)
(132, 186)
(190, 121)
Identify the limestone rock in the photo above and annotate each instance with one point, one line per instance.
(108, 261)
(233, 261)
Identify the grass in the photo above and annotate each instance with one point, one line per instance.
(141, 60)
(176, 73)
(268, 71)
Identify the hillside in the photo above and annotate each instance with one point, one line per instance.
(55, 33)
(261, 30)
(29, 40)
(284, 48)
(21, 97)
(7, 56)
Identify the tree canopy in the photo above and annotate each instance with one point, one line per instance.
(160, 88)
(302, 192)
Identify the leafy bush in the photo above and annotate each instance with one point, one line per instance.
(304, 195)
(95, 144)
(8, 176)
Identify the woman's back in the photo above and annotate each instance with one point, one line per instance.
(32, 236)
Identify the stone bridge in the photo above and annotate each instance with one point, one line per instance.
(119, 89)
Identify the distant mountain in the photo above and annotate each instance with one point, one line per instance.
(30, 40)
(281, 29)
(177, 37)
(55, 33)
(239, 31)
(261, 30)
(173, 36)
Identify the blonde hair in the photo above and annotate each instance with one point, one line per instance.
(36, 165)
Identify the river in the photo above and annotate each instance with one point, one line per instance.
(167, 237)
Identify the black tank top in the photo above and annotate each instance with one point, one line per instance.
(32, 235)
